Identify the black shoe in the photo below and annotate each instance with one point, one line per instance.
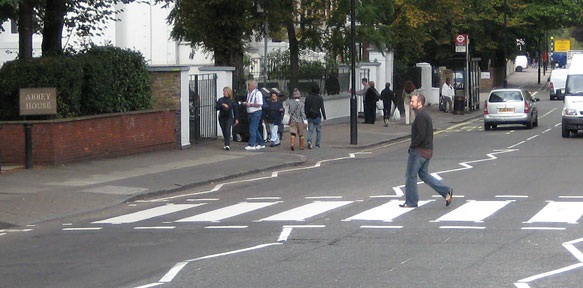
(406, 206)
(449, 197)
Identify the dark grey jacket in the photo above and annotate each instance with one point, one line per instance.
(422, 131)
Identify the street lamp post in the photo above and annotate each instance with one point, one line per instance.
(353, 115)
(504, 43)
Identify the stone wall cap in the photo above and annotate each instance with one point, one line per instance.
(216, 68)
(168, 68)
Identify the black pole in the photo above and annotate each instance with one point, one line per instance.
(539, 56)
(353, 115)
(504, 43)
(28, 146)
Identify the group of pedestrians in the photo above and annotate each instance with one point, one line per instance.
(271, 111)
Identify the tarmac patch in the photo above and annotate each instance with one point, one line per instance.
(115, 190)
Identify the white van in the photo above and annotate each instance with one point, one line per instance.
(556, 83)
(573, 107)
(520, 63)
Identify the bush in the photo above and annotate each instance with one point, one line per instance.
(61, 72)
(101, 80)
(115, 80)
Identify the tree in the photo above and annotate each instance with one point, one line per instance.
(219, 26)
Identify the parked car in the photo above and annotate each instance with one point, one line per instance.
(520, 63)
(556, 84)
(510, 106)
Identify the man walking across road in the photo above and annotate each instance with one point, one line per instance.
(254, 106)
(420, 151)
(314, 108)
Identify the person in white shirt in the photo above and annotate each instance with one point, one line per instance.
(447, 94)
(254, 106)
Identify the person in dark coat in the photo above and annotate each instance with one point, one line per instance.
(387, 96)
(314, 108)
(227, 108)
(370, 98)
(274, 115)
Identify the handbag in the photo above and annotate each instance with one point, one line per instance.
(380, 105)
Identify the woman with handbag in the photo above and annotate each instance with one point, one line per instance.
(227, 108)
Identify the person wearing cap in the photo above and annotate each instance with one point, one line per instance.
(297, 116)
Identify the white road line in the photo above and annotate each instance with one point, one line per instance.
(509, 132)
(285, 232)
(306, 211)
(542, 228)
(380, 227)
(227, 227)
(570, 197)
(304, 226)
(202, 199)
(546, 130)
(147, 214)
(227, 212)
(150, 285)
(463, 227)
(511, 196)
(155, 228)
(2, 234)
(454, 196)
(474, 211)
(543, 275)
(559, 212)
(67, 224)
(386, 212)
(324, 197)
(519, 143)
(233, 252)
(528, 139)
(265, 198)
(558, 124)
(173, 272)
(83, 229)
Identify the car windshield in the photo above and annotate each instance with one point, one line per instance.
(575, 85)
(504, 96)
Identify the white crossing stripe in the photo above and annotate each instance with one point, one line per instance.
(475, 211)
(147, 214)
(559, 212)
(227, 212)
(386, 212)
(306, 211)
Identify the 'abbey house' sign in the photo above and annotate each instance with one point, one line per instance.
(38, 101)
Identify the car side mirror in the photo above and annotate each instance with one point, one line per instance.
(537, 99)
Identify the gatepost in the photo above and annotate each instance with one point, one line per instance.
(35, 101)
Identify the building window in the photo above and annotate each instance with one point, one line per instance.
(13, 27)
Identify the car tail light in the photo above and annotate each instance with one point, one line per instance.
(551, 85)
(526, 107)
(486, 107)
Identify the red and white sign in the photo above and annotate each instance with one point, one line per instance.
(461, 43)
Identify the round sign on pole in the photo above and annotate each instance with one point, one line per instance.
(460, 39)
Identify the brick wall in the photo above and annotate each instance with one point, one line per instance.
(60, 141)
(166, 94)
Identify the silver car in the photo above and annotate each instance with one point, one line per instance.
(510, 106)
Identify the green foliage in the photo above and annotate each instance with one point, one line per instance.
(63, 73)
(115, 80)
(279, 66)
(101, 80)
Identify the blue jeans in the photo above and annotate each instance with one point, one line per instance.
(317, 123)
(419, 165)
(254, 137)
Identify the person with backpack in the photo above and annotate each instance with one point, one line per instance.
(227, 108)
(314, 109)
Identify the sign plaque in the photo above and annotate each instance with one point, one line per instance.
(38, 101)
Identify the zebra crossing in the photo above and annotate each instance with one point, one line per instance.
(466, 211)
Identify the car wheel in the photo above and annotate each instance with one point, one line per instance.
(494, 126)
(519, 69)
(238, 137)
(565, 132)
(536, 121)
(487, 126)
(529, 125)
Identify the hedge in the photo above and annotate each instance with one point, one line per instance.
(100, 80)
(61, 72)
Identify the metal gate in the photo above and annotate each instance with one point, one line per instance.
(203, 115)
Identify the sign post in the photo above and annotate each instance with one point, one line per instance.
(35, 101)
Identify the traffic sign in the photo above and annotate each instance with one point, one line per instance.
(562, 45)
(461, 43)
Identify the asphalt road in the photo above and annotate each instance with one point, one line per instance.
(513, 223)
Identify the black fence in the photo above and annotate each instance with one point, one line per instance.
(203, 115)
